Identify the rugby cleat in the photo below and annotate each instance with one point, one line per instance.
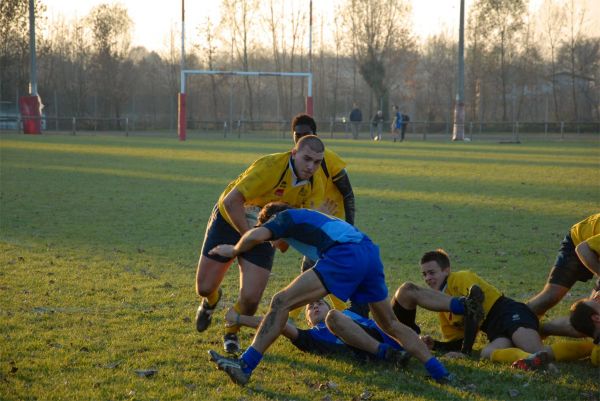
(233, 367)
(205, 312)
(448, 380)
(231, 344)
(474, 314)
(398, 357)
(537, 361)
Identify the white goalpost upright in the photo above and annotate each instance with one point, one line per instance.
(181, 120)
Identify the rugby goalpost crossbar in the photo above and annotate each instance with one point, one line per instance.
(181, 99)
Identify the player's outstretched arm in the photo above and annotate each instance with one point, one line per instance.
(248, 241)
(233, 318)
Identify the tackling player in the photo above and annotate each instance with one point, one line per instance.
(348, 266)
(338, 190)
(294, 177)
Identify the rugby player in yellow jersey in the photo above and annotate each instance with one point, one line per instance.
(338, 191)
(575, 262)
(585, 319)
(293, 177)
(510, 326)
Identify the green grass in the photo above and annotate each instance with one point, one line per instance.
(100, 236)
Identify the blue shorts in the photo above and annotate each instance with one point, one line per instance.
(506, 317)
(353, 271)
(568, 269)
(219, 231)
(374, 331)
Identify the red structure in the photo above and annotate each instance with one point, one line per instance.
(181, 126)
(31, 114)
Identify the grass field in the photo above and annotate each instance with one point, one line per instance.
(100, 236)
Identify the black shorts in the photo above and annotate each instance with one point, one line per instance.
(219, 231)
(506, 316)
(568, 269)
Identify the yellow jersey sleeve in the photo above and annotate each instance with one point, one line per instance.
(594, 243)
(458, 285)
(333, 162)
(270, 179)
(334, 165)
(585, 229)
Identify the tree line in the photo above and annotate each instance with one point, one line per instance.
(518, 66)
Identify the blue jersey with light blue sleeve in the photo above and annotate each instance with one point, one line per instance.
(348, 263)
(311, 232)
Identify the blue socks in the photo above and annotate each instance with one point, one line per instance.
(436, 369)
(456, 306)
(252, 358)
(381, 351)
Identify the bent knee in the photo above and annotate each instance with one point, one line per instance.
(333, 318)
(280, 301)
(405, 290)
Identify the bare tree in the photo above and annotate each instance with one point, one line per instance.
(501, 21)
(239, 17)
(110, 26)
(576, 19)
(375, 29)
(553, 19)
(14, 45)
(209, 50)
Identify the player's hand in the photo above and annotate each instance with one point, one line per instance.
(455, 355)
(328, 207)
(427, 340)
(225, 250)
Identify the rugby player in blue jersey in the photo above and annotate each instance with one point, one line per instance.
(348, 266)
(333, 331)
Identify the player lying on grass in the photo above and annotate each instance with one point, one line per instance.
(348, 266)
(333, 331)
(511, 327)
(585, 320)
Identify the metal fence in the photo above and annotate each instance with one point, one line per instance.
(415, 130)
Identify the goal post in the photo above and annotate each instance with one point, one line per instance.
(181, 99)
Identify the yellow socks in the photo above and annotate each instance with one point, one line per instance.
(235, 328)
(508, 355)
(214, 297)
(571, 350)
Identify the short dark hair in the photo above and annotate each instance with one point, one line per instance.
(271, 209)
(439, 255)
(581, 318)
(303, 119)
(312, 141)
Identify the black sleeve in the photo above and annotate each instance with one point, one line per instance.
(455, 345)
(342, 182)
(307, 343)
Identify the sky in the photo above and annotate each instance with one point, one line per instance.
(154, 19)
